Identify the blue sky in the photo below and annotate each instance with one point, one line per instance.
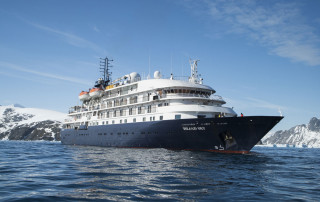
(261, 56)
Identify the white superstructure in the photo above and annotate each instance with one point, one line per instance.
(130, 99)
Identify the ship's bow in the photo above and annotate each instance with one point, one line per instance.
(246, 132)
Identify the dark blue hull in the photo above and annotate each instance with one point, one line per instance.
(230, 134)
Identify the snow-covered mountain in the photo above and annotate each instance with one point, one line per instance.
(300, 135)
(19, 123)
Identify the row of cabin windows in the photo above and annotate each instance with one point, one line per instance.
(121, 91)
(144, 119)
(151, 118)
(187, 91)
(119, 102)
(132, 111)
(124, 101)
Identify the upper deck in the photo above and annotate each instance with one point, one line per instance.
(130, 99)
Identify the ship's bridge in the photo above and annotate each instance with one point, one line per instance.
(152, 84)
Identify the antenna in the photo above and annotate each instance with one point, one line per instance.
(171, 63)
(148, 77)
(279, 110)
(194, 78)
(105, 70)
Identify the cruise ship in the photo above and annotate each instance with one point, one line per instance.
(158, 112)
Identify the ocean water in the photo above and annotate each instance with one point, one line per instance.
(48, 171)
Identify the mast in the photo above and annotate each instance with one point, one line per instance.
(105, 70)
(194, 78)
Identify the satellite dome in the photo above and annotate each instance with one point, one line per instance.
(134, 76)
(157, 75)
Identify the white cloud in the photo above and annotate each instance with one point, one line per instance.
(43, 74)
(281, 27)
(71, 38)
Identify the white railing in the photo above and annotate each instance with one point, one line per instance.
(217, 98)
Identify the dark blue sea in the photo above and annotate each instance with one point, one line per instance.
(48, 171)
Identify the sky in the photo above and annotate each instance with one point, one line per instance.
(262, 57)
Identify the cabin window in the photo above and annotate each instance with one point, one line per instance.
(139, 110)
(133, 99)
(149, 108)
(144, 119)
(134, 111)
(134, 120)
(150, 118)
(178, 116)
(125, 121)
(110, 104)
(112, 121)
(107, 123)
(180, 91)
(117, 102)
(130, 111)
(161, 118)
(160, 105)
(120, 121)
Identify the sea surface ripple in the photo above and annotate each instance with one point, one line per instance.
(50, 171)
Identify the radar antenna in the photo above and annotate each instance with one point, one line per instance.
(194, 71)
(105, 70)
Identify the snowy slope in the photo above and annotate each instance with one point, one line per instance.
(19, 123)
(300, 135)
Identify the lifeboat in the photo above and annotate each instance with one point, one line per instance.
(84, 95)
(95, 92)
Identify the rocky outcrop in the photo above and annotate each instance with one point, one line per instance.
(304, 135)
(18, 123)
